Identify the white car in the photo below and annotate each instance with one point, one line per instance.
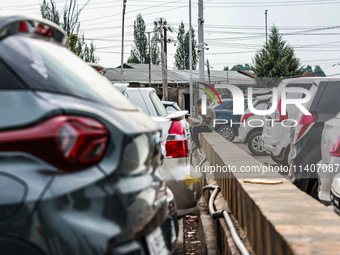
(250, 132)
(276, 137)
(171, 107)
(185, 183)
(330, 164)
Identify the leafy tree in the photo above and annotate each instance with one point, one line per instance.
(318, 71)
(182, 54)
(155, 51)
(139, 50)
(275, 61)
(309, 69)
(239, 67)
(226, 68)
(71, 25)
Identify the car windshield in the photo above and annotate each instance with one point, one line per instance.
(44, 66)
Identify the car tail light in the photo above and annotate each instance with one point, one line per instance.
(305, 122)
(278, 113)
(246, 116)
(334, 148)
(68, 142)
(35, 26)
(176, 145)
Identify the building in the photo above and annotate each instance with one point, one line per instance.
(137, 75)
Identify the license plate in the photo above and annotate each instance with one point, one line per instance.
(156, 243)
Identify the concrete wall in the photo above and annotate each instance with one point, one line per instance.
(276, 219)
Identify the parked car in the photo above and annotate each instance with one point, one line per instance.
(171, 107)
(276, 137)
(79, 164)
(251, 131)
(224, 112)
(180, 176)
(305, 141)
(330, 163)
(335, 193)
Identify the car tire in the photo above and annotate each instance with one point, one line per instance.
(254, 144)
(314, 190)
(227, 132)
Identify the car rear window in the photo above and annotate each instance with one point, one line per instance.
(330, 100)
(44, 66)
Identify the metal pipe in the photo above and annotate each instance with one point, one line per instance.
(240, 245)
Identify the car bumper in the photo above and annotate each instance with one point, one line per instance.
(185, 183)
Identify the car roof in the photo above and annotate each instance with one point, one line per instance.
(264, 97)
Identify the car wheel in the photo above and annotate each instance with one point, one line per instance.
(254, 144)
(314, 191)
(227, 132)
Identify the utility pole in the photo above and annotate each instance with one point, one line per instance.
(201, 49)
(265, 13)
(208, 66)
(149, 58)
(122, 50)
(163, 28)
(191, 90)
(165, 69)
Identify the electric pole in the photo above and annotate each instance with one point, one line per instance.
(149, 58)
(165, 69)
(122, 50)
(163, 28)
(191, 90)
(201, 49)
(265, 13)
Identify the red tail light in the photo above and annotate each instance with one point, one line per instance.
(334, 149)
(176, 145)
(246, 116)
(278, 113)
(35, 26)
(305, 122)
(68, 142)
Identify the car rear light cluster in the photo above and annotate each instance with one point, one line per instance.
(304, 124)
(278, 113)
(34, 26)
(334, 148)
(68, 142)
(176, 145)
(246, 116)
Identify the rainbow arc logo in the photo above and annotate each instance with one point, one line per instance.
(209, 93)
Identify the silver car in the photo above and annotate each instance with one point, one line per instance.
(179, 175)
(250, 132)
(330, 164)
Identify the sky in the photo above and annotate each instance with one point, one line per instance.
(233, 30)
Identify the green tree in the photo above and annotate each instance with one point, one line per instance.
(238, 67)
(155, 51)
(71, 25)
(226, 68)
(318, 71)
(309, 69)
(275, 61)
(182, 54)
(139, 52)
